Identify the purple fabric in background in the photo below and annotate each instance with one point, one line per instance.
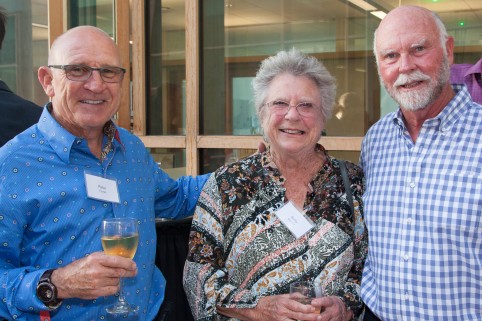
(470, 75)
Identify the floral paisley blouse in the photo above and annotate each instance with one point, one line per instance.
(239, 251)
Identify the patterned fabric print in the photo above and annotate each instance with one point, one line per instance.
(239, 251)
(109, 131)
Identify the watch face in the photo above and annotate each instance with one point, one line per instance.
(45, 292)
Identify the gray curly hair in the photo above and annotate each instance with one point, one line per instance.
(296, 63)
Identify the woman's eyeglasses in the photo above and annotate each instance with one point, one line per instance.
(281, 108)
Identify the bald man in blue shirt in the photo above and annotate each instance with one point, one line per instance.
(62, 177)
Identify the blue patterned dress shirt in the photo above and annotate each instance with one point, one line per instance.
(423, 211)
(47, 221)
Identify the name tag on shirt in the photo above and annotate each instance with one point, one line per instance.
(294, 220)
(101, 188)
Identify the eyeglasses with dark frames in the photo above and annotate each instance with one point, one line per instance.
(281, 108)
(83, 72)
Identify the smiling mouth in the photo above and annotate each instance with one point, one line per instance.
(411, 85)
(92, 102)
(292, 131)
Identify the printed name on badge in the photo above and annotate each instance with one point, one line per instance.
(101, 188)
(294, 220)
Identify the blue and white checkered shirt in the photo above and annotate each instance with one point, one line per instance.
(423, 207)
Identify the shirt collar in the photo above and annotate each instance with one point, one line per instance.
(474, 69)
(62, 140)
(449, 115)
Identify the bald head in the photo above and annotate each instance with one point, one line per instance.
(406, 15)
(411, 19)
(79, 39)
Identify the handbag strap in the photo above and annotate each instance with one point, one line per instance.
(346, 183)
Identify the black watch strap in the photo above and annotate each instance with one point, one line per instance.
(47, 291)
(46, 276)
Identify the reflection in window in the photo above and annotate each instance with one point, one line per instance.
(171, 160)
(213, 158)
(98, 13)
(25, 48)
(245, 121)
(166, 69)
(238, 35)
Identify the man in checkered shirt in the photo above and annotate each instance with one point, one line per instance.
(423, 169)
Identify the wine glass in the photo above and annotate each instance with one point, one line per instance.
(304, 292)
(120, 237)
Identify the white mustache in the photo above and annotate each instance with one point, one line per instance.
(404, 79)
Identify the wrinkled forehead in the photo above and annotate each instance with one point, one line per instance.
(402, 30)
(85, 47)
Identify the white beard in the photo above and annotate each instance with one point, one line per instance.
(420, 98)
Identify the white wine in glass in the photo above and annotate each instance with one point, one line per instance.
(120, 237)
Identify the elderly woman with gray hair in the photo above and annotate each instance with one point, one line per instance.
(243, 251)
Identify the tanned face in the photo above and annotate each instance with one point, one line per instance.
(82, 106)
(413, 65)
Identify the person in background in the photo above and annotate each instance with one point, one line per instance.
(423, 171)
(60, 178)
(471, 76)
(282, 215)
(349, 117)
(18, 113)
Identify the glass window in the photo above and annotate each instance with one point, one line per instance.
(166, 69)
(237, 35)
(213, 158)
(171, 160)
(25, 48)
(166, 78)
(98, 13)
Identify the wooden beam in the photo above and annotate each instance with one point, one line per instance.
(55, 19)
(122, 37)
(245, 142)
(164, 141)
(138, 68)
(192, 86)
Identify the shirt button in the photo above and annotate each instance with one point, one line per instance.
(412, 184)
(406, 296)
(406, 257)
(305, 257)
(409, 221)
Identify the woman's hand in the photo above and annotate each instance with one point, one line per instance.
(332, 309)
(274, 308)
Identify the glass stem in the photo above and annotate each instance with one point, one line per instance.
(122, 297)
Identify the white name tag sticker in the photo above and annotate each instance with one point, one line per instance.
(101, 188)
(294, 220)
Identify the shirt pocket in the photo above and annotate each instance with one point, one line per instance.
(456, 200)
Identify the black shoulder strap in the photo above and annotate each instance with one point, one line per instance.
(346, 182)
